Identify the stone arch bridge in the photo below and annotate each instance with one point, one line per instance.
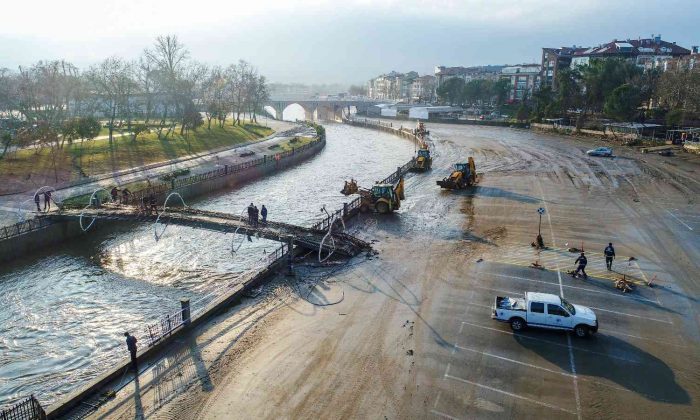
(325, 109)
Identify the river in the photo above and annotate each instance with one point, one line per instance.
(63, 312)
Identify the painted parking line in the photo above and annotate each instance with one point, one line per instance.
(592, 307)
(530, 365)
(678, 220)
(553, 343)
(611, 332)
(443, 415)
(510, 394)
(586, 289)
(632, 315)
(517, 362)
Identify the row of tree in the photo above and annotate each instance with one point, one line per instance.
(456, 91)
(162, 89)
(620, 90)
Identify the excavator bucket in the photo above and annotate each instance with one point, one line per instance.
(349, 188)
(472, 170)
(399, 190)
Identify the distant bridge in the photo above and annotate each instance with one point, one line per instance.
(324, 109)
(313, 239)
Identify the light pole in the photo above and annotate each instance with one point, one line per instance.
(540, 242)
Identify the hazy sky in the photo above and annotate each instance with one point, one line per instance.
(346, 41)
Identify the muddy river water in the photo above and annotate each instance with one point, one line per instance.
(63, 312)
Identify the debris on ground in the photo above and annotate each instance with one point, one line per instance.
(623, 284)
(480, 260)
(574, 249)
(409, 352)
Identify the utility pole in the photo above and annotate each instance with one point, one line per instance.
(540, 241)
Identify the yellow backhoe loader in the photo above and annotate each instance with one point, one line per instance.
(382, 198)
(463, 175)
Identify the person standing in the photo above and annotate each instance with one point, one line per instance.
(37, 200)
(131, 345)
(582, 261)
(256, 215)
(125, 196)
(609, 256)
(250, 214)
(47, 201)
(115, 194)
(263, 213)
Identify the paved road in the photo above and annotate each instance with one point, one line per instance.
(407, 334)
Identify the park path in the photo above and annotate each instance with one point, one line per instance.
(198, 163)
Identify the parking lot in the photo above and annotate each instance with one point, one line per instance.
(409, 334)
(644, 358)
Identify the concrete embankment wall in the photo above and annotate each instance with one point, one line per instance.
(102, 383)
(487, 123)
(46, 236)
(570, 130)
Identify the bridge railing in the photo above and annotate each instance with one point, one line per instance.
(400, 171)
(7, 232)
(348, 209)
(139, 196)
(27, 409)
(168, 324)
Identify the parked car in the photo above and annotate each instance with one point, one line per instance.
(543, 310)
(600, 151)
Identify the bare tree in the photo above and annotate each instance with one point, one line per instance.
(212, 96)
(113, 83)
(168, 57)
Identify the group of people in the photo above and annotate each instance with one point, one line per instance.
(125, 193)
(582, 261)
(254, 215)
(47, 200)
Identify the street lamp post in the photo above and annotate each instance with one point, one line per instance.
(540, 241)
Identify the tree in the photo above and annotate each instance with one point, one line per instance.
(542, 100)
(213, 88)
(357, 90)
(622, 103)
(168, 57)
(523, 111)
(500, 90)
(679, 89)
(568, 90)
(112, 81)
(260, 94)
(451, 91)
(675, 117)
(6, 139)
(86, 128)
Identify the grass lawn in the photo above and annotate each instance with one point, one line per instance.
(289, 144)
(32, 167)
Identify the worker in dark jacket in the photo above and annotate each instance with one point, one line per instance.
(263, 213)
(609, 255)
(131, 345)
(582, 261)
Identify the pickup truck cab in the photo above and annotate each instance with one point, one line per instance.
(543, 310)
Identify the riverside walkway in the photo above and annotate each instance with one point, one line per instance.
(312, 239)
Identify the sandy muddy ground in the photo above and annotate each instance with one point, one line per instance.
(407, 333)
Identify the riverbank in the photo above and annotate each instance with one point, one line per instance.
(82, 161)
(29, 236)
(407, 333)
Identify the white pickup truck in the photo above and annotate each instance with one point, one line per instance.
(544, 310)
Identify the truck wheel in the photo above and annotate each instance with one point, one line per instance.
(517, 324)
(383, 207)
(581, 331)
